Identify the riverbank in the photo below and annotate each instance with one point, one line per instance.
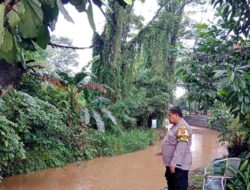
(196, 179)
(97, 144)
(140, 170)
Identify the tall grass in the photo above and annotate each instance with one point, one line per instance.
(110, 143)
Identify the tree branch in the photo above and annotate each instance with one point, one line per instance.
(182, 7)
(53, 45)
(178, 12)
(147, 26)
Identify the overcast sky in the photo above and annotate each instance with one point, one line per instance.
(81, 33)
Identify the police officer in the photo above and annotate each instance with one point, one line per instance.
(176, 152)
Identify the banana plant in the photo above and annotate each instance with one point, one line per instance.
(80, 100)
(241, 179)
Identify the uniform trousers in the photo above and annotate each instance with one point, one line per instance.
(177, 180)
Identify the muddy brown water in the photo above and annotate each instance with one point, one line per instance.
(134, 171)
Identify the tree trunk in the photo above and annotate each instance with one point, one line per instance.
(10, 76)
(108, 69)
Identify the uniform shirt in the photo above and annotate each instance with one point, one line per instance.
(176, 146)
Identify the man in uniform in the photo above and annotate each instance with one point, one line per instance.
(176, 152)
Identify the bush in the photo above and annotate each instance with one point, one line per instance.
(34, 135)
(129, 110)
(241, 179)
(110, 144)
(41, 131)
(11, 147)
(221, 117)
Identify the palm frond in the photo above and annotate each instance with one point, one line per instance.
(99, 121)
(110, 115)
(85, 116)
(100, 101)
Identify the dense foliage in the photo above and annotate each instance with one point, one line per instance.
(241, 180)
(218, 69)
(41, 131)
(140, 69)
(236, 15)
(53, 119)
(221, 118)
(36, 135)
(25, 23)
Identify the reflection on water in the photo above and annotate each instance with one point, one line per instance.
(134, 171)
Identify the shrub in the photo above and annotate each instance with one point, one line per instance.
(11, 147)
(42, 131)
(34, 135)
(110, 144)
(241, 179)
(221, 117)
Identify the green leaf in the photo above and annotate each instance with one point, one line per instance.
(99, 121)
(244, 166)
(201, 26)
(224, 91)
(15, 17)
(225, 11)
(212, 2)
(242, 83)
(246, 75)
(230, 186)
(64, 11)
(129, 2)
(90, 17)
(1, 22)
(27, 44)
(220, 73)
(236, 87)
(109, 115)
(10, 56)
(50, 15)
(8, 50)
(222, 83)
(216, 2)
(80, 5)
(51, 3)
(241, 98)
(232, 75)
(7, 44)
(43, 37)
(246, 98)
(85, 116)
(33, 18)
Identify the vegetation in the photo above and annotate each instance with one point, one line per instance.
(51, 120)
(58, 59)
(221, 118)
(217, 79)
(218, 69)
(241, 181)
(35, 135)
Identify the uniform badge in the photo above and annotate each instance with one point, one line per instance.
(182, 133)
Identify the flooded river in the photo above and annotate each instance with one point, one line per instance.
(134, 171)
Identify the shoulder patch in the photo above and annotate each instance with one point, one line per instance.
(182, 134)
